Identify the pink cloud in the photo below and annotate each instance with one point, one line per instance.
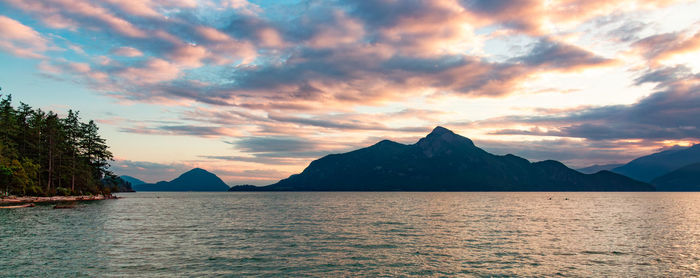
(420, 28)
(242, 5)
(21, 40)
(346, 30)
(217, 47)
(189, 55)
(58, 13)
(127, 51)
(212, 34)
(152, 71)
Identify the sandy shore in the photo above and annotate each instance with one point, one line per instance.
(54, 199)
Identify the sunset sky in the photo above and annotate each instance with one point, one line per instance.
(255, 90)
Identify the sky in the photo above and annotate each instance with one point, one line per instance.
(255, 90)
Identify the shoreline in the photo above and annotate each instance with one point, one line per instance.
(53, 199)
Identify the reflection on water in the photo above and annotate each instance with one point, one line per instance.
(358, 234)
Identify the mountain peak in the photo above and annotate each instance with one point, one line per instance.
(439, 130)
(196, 179)
(443, 134)
(197, 173)
(197, 170)
(442, 140)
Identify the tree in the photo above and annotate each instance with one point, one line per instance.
(5, 174)
(8, 126)
(51, 131)
(40, 152)
(96, 150)
(73, 136)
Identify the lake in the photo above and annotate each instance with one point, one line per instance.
(371, 234)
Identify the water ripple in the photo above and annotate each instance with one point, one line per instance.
(368, 234)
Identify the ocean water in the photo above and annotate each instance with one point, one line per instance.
(367, 234)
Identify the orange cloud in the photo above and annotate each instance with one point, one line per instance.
(663, 46)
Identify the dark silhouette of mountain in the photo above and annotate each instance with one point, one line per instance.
(686, 178)
(646, 168)
(597, 168)
(194, 180)
(443, 161)
(132, 180)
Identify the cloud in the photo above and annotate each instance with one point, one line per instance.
(343, 122)
(537, 17)
(575, 153)
(671, 113)
(127, 51)
(146, 72)
(556, 55)
(257, 159)
(189, 130)
(21, 40)
(149, 8)
(276, 144)
(416, 28)
(75, 14)
(660, 47)
(332, 57)
(523, 15)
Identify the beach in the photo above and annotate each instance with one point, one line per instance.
(52, 199)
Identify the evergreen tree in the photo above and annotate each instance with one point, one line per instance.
(44, 154)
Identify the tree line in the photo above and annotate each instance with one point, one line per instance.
(42, 154)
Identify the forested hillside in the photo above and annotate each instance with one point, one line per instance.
(44, 154)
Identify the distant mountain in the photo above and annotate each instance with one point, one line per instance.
(194, 180)
(132, 180)
(443, 161)
(597, 168)
(686, 178)
(646, 168)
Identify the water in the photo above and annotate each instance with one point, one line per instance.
(357, 234)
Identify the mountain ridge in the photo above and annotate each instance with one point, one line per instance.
(648, 167)
(686, 178)
(443, 161)
(595, 168)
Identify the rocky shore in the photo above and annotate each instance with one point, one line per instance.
(53, 199)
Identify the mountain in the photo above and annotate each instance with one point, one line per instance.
(443, 161)
(194, 180)
(686, 178)
(597, 168)
(646, 168)
(132, 180)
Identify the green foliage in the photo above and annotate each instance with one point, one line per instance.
(116, 184)
(44, 154)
